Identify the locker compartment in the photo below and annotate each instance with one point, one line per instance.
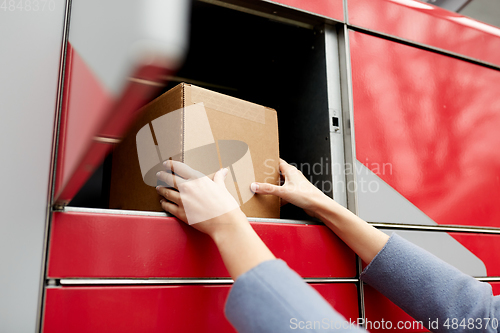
(136, 309)
(263, 61)
(176, 308)
(427, 155)
(438, 27)
(91, 245)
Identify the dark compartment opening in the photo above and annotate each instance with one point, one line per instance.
(262, 61)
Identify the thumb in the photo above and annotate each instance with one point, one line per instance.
(220, 176)
(265, 188)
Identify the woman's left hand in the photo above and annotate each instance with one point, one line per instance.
(196, 199)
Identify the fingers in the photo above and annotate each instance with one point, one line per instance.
(171, 179)
(220, 176)
(170, 195)
(173, 209)
(182, 169)
(286, 168)
(265, 188)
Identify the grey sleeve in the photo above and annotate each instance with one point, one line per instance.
(273, 298)
(430, 290)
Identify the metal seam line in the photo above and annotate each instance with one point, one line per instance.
(103, 139)
(146, 82)
(423, 46)
(170, 281)
(302, 11)
(263, 14)
(104, 281)
(347, 112)
(53, 166)
(442, 228)
(69, 209)
(346, 11)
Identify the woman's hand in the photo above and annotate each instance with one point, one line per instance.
(361, 237)
(296, 190)
(198, 200)
(207, 206)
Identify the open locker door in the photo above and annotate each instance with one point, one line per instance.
(118, 55)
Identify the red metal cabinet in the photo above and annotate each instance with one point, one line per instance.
(112, 245)
(136, 309)
(189, 308)
(433, 119)
(429, 25)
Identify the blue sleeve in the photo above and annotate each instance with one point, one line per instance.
(273, 298)
(430, 290)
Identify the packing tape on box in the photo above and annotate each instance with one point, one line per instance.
(164, 139)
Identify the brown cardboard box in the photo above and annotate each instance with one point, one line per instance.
(207, 131)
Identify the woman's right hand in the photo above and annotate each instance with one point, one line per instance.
(296, 190)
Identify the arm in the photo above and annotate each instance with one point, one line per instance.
(267, 295)
(431, 290)
(361, 237)
(422, 285)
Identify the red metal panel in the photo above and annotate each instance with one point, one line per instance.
(342, 296)
(435, 120)
(107, 245)
(89, 111)
(136, 309)
(84, 103)
(157, 309)
(329, 8)
(383, 315)
(427, 24)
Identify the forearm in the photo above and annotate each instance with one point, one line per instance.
(430, 290)
(361, 237)
(240, 247)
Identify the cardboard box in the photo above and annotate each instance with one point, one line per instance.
(207, 131)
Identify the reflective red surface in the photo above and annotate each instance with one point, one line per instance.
(84, 103)
(90, 112)
(495, 286)
(136, 309)
(427, 24)
(107, 245)
(329, 8)
(434, 120)
(192, 308)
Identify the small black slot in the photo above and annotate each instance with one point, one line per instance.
(335, 121)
